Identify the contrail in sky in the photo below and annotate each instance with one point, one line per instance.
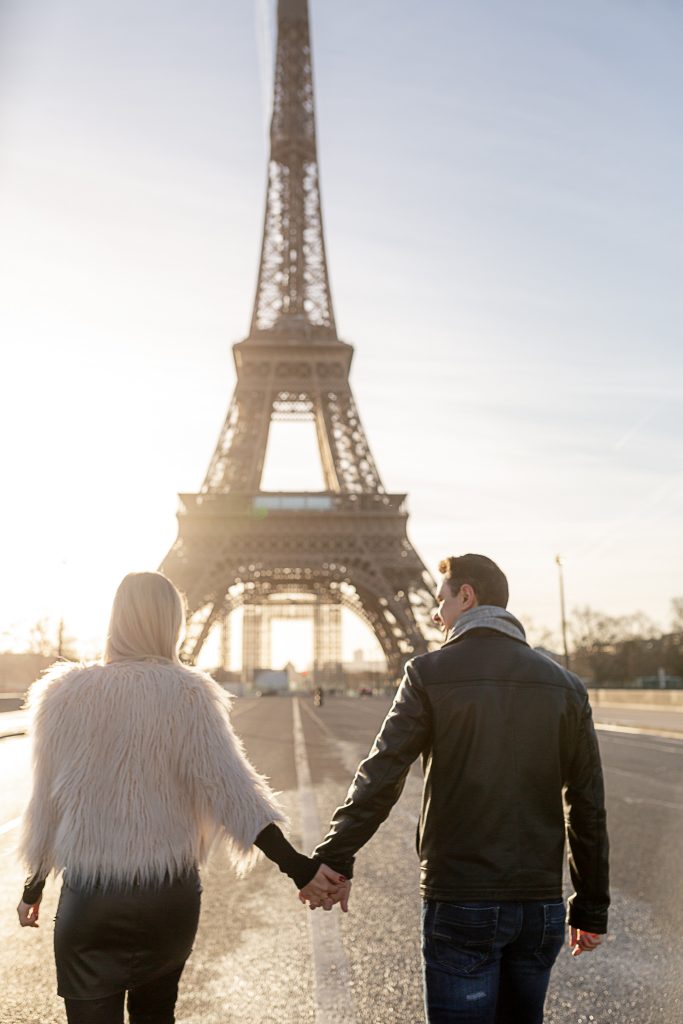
(644, 514)
(632, 430)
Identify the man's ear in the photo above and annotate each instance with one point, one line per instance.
(469, 597)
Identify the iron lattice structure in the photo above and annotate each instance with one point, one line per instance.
(293, 289)
(346, 546)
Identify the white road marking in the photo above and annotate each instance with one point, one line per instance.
(598, 705)
(331, 971)
(323, 726)
(633, 742)
(645, 800)
(653, 779)
(240, 709)
(9, 825)
(13, 723)
(350, 754)
(632, 730)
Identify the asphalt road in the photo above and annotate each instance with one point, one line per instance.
(262, 958)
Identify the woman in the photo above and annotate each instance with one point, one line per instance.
(136, 773)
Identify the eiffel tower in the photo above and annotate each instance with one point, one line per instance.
(345, 546)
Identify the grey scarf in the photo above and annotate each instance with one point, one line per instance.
(487, 616)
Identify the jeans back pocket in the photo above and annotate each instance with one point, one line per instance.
(554, 928)
(461, 936)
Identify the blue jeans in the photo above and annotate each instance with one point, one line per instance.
(489, 963)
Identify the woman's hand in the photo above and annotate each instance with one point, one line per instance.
(325, 889)
(28, 914)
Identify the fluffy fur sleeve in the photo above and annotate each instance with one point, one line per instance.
(224, 785)
(45, 703)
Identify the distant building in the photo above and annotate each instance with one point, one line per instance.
(271, 680)
(359, 664)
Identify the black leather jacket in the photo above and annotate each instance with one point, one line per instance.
(510, 761)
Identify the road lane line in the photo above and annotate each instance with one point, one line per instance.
(645, 800)
(237, 710)
(633, 743)
(632, 730)
(9, 825)
(653, 780)
(599, 705)
(323, 726)
(13, 723)
(334, 1002)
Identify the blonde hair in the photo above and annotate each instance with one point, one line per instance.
(146, 619)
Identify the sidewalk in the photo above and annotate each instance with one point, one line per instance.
(13, 723)
(663, 721)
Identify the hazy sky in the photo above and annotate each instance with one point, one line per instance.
(503, 211)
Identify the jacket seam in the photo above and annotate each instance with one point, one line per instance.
(484, 680)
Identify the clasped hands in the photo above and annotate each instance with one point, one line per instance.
(326, 888)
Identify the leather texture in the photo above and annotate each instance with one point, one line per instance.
(509, 753)
(109, 941)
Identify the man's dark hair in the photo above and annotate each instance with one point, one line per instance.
(483, 575)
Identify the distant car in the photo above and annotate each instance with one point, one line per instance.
(266, 693)
(365, 691)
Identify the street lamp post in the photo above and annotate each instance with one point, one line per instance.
(558, 562)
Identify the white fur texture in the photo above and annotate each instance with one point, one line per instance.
(136, 772)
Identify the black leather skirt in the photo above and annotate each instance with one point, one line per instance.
(108, 942)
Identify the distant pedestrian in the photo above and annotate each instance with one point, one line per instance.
(137, 772)
(511, 762)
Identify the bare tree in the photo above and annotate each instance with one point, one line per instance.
(51, 641)
(41, 638)
(541, 636)
(677, 614)
(613, 649)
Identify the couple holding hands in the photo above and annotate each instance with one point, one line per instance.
(137, 772)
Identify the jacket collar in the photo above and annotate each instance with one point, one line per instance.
(487, 616)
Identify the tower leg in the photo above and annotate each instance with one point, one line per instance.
(327, 641)
(225, 642)
(251, 641)
(266, 637)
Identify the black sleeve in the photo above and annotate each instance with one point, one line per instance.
(584, 797)
(277, 848)
(33, 890)
(404, 735)
(271, 841)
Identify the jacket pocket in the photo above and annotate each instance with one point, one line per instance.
(461, 937)
(554, 928)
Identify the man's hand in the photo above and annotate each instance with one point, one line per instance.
(341, 897)
(326, 888)
(28, 914)
(583, 942)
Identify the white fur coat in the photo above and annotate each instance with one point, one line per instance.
(136, 771)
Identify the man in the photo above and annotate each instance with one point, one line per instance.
(511, 764)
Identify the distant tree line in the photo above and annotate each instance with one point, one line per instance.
(614, 650)
(618, 650)
(45, 643)
(605, 650)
